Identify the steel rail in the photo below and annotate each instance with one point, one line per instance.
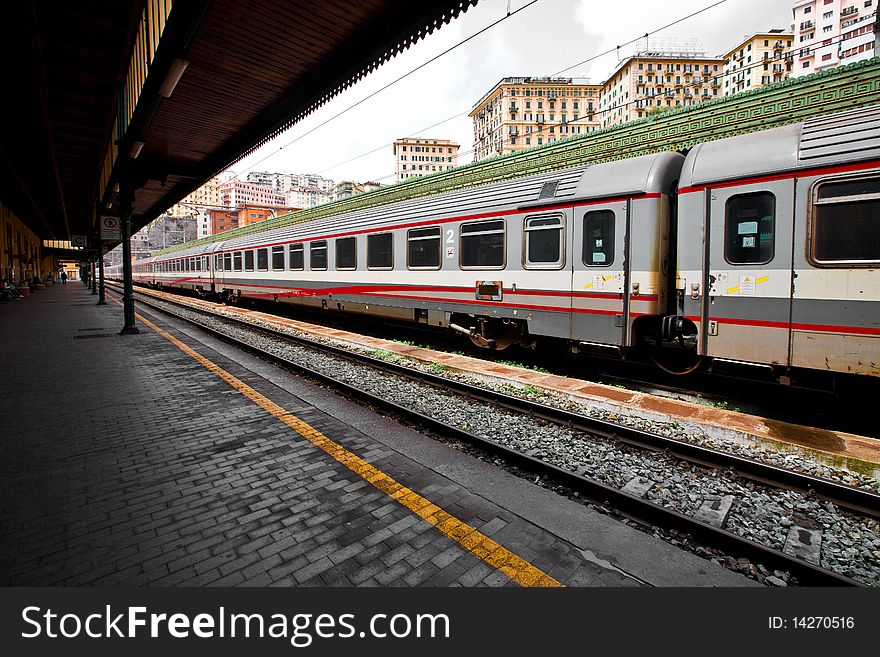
(625, 504)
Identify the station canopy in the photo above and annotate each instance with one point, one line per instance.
(158, 96)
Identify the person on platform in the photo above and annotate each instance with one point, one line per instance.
(64, 278)
(8, 291)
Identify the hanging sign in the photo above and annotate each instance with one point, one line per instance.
(110, 228)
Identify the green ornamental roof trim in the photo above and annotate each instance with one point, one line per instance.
(797, 99)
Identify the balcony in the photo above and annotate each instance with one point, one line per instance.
(779, 45)
(849, 11)
(807, 25)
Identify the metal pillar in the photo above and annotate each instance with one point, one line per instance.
(128, 294)
(101, 300)
(94, 274)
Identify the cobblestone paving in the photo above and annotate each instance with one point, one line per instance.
(125, 462)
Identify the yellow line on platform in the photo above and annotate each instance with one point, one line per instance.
(478, 544)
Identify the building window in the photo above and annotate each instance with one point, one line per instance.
(262, 259)
(598, 248)
(750, 225)
(346, 253)
(846, 222)
(543, 242)
(295, 254)
(482, 245)
(318, 255)
(423, 248)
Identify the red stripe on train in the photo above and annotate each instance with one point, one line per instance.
(820, 171)
(822, 328)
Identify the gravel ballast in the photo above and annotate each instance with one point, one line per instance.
(850, 544)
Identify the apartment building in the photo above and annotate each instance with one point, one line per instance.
(829, 33)
(223, 219)
(346, 189)
(196, 205)
(416, 157)
(761, 59)
(285, 182)
(519, 113)
(236, 193)
(650, 80)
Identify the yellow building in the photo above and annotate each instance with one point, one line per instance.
(197, 204)
(649, 81)
(759, 60)
(418, 157)
(519, 113)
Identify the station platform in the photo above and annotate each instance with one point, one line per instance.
(171, 458)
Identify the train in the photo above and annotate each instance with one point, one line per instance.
(755, 252)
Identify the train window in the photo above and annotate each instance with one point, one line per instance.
(248, 260)
(218, 263)
(192, 264)
(380, 251)
(423, 248)
(278, 258)
(543, 242)
(318, 255)
(750, 227)
(482, 245)
(227, 262)
(346, 253)
(598, 238)
(198, 262)
(297, 261)
(846, 222)
(262, 259)
(236, 261)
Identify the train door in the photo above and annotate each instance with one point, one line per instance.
(747, 306)
(599, 264)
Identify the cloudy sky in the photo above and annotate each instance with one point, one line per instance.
(545, 38)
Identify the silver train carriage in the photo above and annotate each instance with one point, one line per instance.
(760, 249)
(779, 245)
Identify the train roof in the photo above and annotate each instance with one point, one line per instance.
(639, 175)
(833, 139)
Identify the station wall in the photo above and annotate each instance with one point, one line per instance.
(21, 252)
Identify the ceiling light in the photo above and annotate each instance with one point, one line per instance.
(178, 66)
(136, 148)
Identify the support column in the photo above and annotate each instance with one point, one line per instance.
(128, 294)
(101, 300)
(94, 276)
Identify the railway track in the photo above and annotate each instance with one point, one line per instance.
(628, 502)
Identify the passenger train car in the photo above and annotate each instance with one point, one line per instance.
(760, 250)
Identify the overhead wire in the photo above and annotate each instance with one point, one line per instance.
(580, 63)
